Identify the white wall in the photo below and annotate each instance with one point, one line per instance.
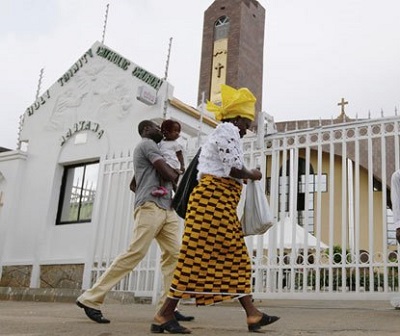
(12, 167)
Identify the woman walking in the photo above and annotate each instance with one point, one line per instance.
(214, 263)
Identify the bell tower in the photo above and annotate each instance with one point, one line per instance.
(232, 48)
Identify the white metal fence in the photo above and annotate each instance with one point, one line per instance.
(332, 181)
(113, 218)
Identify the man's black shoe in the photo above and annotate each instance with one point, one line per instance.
(180, 317)
(94, 314)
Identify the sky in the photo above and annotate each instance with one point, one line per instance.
(315, 51)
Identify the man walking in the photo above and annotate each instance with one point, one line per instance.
(154, 219)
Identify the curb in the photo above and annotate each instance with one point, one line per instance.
(63, 295)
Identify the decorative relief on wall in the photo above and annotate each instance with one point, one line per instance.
(87, 80)
(65, 110)
(96, 90)
(115, 101)
(96, 93)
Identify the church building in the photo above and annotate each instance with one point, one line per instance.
(55, 188)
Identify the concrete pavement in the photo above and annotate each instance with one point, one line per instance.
(316, 318)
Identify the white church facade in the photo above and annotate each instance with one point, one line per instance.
(65, 203)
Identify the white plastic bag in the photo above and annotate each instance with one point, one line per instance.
(257, 217)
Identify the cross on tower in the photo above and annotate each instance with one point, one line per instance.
(219, 67)
(342, 104)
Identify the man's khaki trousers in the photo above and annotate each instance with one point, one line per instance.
(151, 222)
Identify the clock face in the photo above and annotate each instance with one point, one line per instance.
(218, 71)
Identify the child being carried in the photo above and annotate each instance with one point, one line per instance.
(172, 152)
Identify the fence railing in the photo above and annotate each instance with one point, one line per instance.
(333, 181)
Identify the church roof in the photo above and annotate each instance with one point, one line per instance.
(295, 125)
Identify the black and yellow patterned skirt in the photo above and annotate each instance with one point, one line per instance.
(213, 264)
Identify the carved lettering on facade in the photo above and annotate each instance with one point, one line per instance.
(147, 77)
(113, 57)
(82, 126)
(39, 102)
(75, 68)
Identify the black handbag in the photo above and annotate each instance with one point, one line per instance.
(185, 187)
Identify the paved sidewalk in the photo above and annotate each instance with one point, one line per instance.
(316, 318)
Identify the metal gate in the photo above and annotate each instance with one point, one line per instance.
(332, 182)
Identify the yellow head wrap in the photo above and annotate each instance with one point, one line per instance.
(235, 103)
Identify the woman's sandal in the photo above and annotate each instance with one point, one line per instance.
(172, 326)
(265, 320)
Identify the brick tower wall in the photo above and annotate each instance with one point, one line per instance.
(245, 46)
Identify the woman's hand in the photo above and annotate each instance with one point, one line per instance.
(244, 173)
(255, 174)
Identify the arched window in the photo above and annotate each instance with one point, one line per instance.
(221, 28)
